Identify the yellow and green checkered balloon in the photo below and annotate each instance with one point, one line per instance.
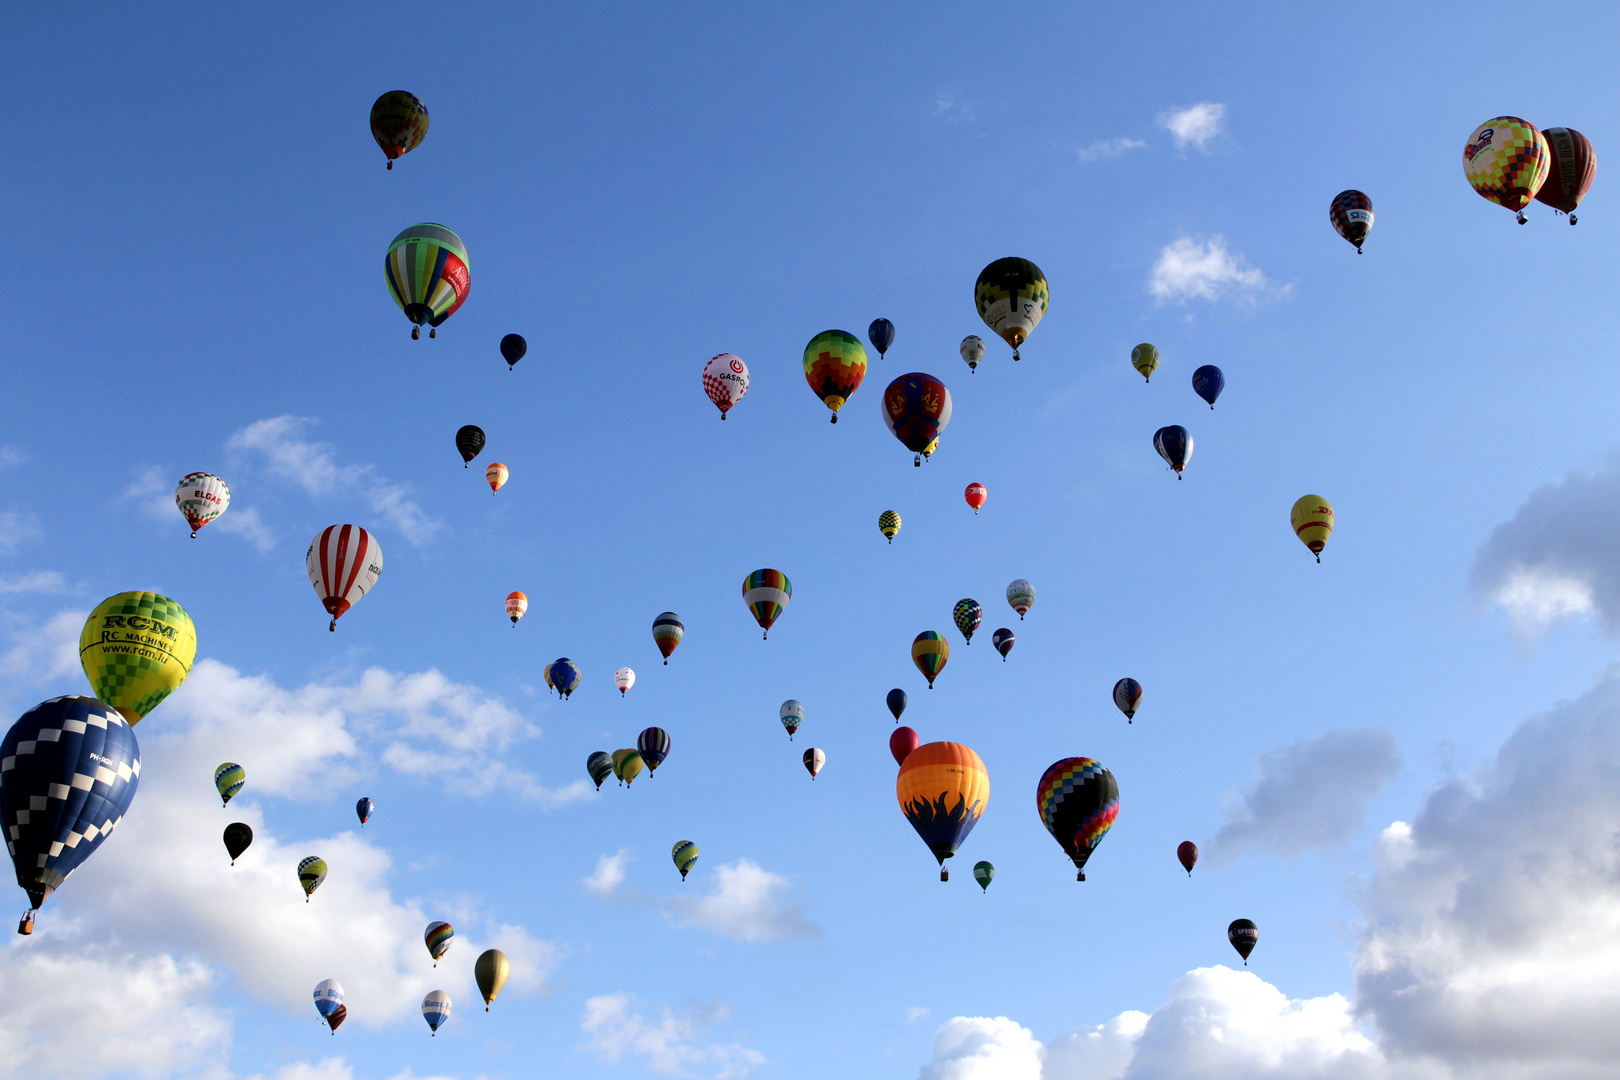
(137, 648)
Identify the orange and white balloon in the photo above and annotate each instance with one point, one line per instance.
(344, 562)
(496, 475)
(201, 497)
(975, 496)
(516, 605)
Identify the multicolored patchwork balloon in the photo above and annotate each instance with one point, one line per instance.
(1078, 801)
(201, 497)
(136, 648)
(967, 614)
(1506, 160)
(399, 123)
(428, 274)
(917, 408)
(834, 365)
(766, 592)
(930, 652)
(344, 562)
(667, 632)
(943, 789)
(1011, 296)
(1351, 213)
(725, 380)
(685, 855)
(1312, 520)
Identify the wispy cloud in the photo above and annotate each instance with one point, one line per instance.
(609, 873)
(949, 107)
(11, 456)
(313, 467)
(1189, 269)
(246, 523)
(1199, 126)
(670, 1043)
(40, 581)
(745, 902)
(18, 527)
(1109, 148)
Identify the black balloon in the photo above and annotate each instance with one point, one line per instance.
(897, 702)
(238, 836)
(881, 335)
(513, 347)
(1243, 935)
(469, 440)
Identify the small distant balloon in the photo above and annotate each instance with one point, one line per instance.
(513, 349)
(1244, 936)
(791, 715)
(685, 854)
(399, 123)
(1312, 519)
(363, 809)
(725, 380)
(228, 781)
(1145, 358)
(902, 741)
(896, 701)
(889, 524)
(1003, 641)
(437, 938)
(600, 766)
(814, 759)
(1127, 696)
(201, 497)
(766, 592)
(469, 442)
(624, 679)
(930, 652)
(973, 351)
(975, 494)
(1351, 213)
(238, 837)
(436, 1009)
(984, 873)
(1187, 854)
(881, 335)
(311, 872)
(490, 970)
(495, 476)
(1208, 382)
(1021, 597)
(834, 365)
(654, 746)
(667, 632)
(627, 765)
(967, 615)
(1174, 445)
(563, 674)
(516, 604)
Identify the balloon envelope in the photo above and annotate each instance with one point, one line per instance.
(1011, 296)
(437, 938)
(725, 380)
(229, 779)
(791, 715)
(1021, 597)
(363, 810)
(766, 592)
(814, 759)
(1208, 382)
(930, 652)
(975, 494)
(201, 497)
(600, 766)
(1127, 696)
(1312, 520)
(399, 123)
(238, 838)
(685, 855)
(667, 632)
(1174, 445)
(889, 524)
(1145, 358)
(469, 442)
(1570, 175)
(902, 741)
(516, 605)
(834, 365)
(624, 679)
(428, 273)
(917, 408)
(1244, 936)
(491, 970)
(1506, 160)
(967, 615)
(328, 996)
(136, 649)
(513, 349)
(436, 1009)
(984, 873)
(1351, 213)
(1187, 855)
(653, 744)
(972, 351)
(627, 765)
(344, 563)
(1078, 801)
(69, 768)
(1003, 641)
(943, 789)
(563, 674)
(896, 701)
(495, 475)
(311, 872)
(881, 335)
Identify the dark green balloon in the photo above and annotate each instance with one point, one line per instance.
(984, 874)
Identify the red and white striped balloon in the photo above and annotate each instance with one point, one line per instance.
(344, 562)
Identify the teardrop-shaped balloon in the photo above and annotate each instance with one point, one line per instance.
(814, 759)
(1569, 177)
(1078, 801)
(881, 335)
(599, 766)
(311, 872)
(1145, 358)
(896, 701)
(967, 615)
(136, 649)
(685, 854)
(1351, 213)
(667, 632)
(1506, 161)
(495, 475)
(834, 365)
(889, 524)
(902, 741)
(201, 497)
(428, 274)
(725, 380)
(975, 494)
(972, 350)
(984, 873)
(654, 746)
(1011, 296)
(563, 674)
(517, 604)
(1187, 855)
(490, 970)
(399, 123)
(513, 349)
(943, 789)
(1244, 936)
(624, 679)
(1003, 641)
(363, 809)
(344, 563)
(436, 1009)
(1174, 445)
(1312, 520)
(437, 938)
(627, 765)
(917, 409)
(469, 442)
(1021, 597)
(766, 592)
(1208, 382)
(930, 652)
(329, 1001)
(228, 780)
(238, 838)
(1127, 696)
(791, 715)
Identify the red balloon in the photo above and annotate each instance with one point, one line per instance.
(901, 743)
(1187, 852)
(975, 496)
(1574, 164)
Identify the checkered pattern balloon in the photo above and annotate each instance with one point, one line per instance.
(1506, 160)
(1352, 215)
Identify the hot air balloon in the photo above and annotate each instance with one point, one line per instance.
(228, 780)
(1128, 695)
(311, 872)
(469, 442)
(1352, 215)
(1187, 854)
(667, 633)
(1174, 445)
(1312, 519)
(972, 351)
(495, 476)
(889, 524)
(766, 592)
(600, 766)
(725, 380)
(930, 651)
(1078, 801)
(344, 562)
(917, 407)
(491, 970)
(1244, 936)
(363, 809)
(1208, 382)
(902, 741)
(1144, 358)
(943, 788)
(1506, 160)
(1003, 641)
(1021, 596)
(69, 768)
(513, 349)
(399, 123)
(654, 746)
(437, 938)
(238, 838)
(563, 674)
(792, 715)
(685, 855)
(975, 494)
(881, 335)
(896, 701)
(516, 605)
(436, 1009)
(834, 365)
(1011, 295)
(201, 497)
(624, 679)
(428, 274)
(136, 649)
(814, 759)
(967, 614)
(1570, 175)
(627, 765)
(984, 873)
(329, 1003)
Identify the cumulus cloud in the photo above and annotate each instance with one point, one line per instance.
(152, 491)
(609, 873)
(312, 466)
(1192, 269)
(744, 901)
(1311, 793)
(246, 523)
(1554, 559)
(984, 1048)
(43, 652)
(1199, 126)
(1109, 148)
(669, 1044)
(17, 528)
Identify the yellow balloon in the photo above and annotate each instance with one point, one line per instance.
(1144, 358)
(627, 765)
(1312, 519)
(491, 970)
(136, 649)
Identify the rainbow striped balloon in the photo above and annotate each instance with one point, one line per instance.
(437, 938)
(767, 592)
(930, 651)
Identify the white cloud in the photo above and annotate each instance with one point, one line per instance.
(44, 653)
(916, 1013)
(1554, 559)
(1197, 126)
(745, 902)
(1311, 793)
(1191, 269)
(1109, 148)
(311, 465)
(246, 523)
(18, 527)
(44, 581)
(984, 1048)
(153, 491)
(609, 873)
(669, 1044)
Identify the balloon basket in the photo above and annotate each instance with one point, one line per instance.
(390, 166)
(25, 925)
(434, 332)
(1081, 876)
(416, 333)
(944, 874)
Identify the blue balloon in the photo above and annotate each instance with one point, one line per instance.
(1208, 382)
(1174, 445)
(897, 702)
(68, 772)
(363, 810)
(564, 676)
(881, 333)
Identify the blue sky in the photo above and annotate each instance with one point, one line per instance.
(199, 215)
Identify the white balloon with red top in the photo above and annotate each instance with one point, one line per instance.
(344, 562)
